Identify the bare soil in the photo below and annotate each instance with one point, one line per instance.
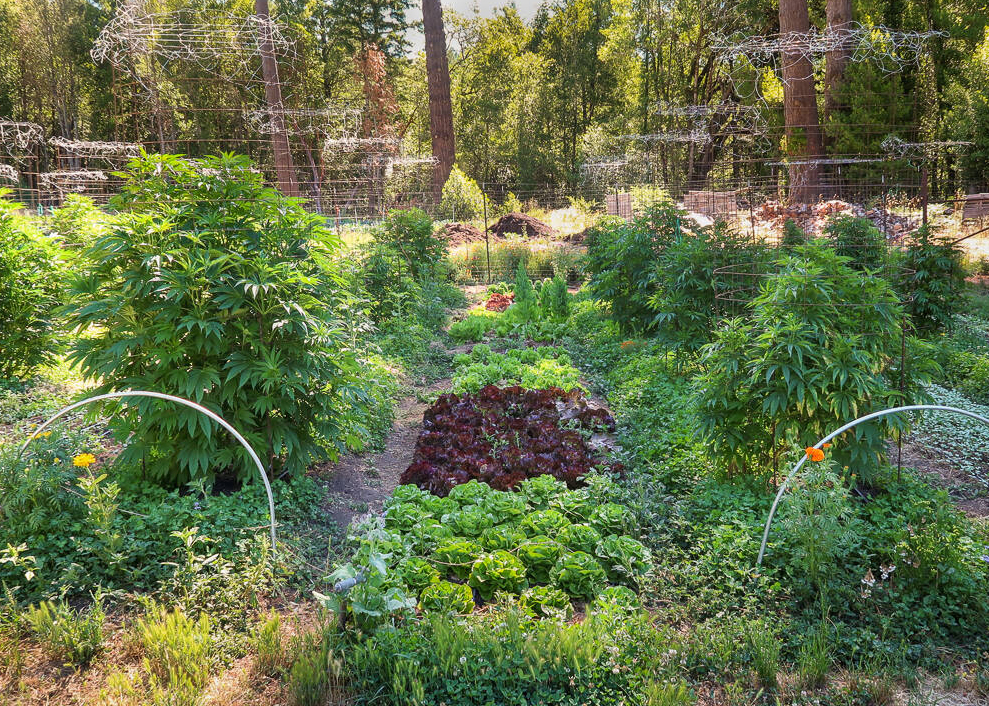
(942, 474)
(359, 484)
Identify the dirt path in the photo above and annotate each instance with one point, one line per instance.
(358, 484)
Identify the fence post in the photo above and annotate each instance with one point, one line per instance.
(487, 244)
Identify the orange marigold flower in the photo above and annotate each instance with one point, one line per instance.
(826, 446)
(814, 454)
(628, 344)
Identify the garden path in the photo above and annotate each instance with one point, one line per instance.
(359, 483)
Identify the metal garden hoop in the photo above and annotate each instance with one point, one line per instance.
(178, 400)
(842, 430)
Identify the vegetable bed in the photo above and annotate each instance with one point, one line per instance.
(502, 436)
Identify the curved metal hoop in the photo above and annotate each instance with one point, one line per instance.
(842, 430)
(178, 400)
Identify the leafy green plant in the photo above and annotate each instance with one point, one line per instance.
(457, 557)
(411, 233)
(793, 235)
(803, 363)
(506, 537)
(32, 269)
(539, 554)
(548, 602)
(543, 522)
(526, 306)
(533, 368)
(625, 559)
(932, 282)
(621, 258)
(469, 521)
(497, 571)
(612, 518)
(579, 574)
(579, 537)
(418, 574)
(471, 493)
(214, 287)
(858, 240)
(448, 598)
(67, 635)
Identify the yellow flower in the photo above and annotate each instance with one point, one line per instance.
(42, 435)
(84, 460)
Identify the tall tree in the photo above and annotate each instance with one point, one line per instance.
(440, 104)
(839, 16)
(382, 23)
(804, 142)
(284, 166)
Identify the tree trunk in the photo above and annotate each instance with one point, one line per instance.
(284, 168)
(440, 104)
(839, 15)
(803, 129)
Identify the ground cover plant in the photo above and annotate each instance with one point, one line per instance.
(502, 436)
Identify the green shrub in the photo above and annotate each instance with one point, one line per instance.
(793, 235)
(211, 286)
(77, 222)
(462, 199)
(526, 305)
(804, 363)
(32, 268)
(579, 574)
(411, 234)
(858, 240)
(497, 571)
(67, 635)
(932, 281)
(621, 258)
(448, 598)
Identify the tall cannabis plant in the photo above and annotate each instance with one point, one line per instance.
(211, 286)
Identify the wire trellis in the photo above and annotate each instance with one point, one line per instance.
(890, 50)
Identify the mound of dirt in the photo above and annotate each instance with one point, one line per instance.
(524, 225)
(460, 233)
